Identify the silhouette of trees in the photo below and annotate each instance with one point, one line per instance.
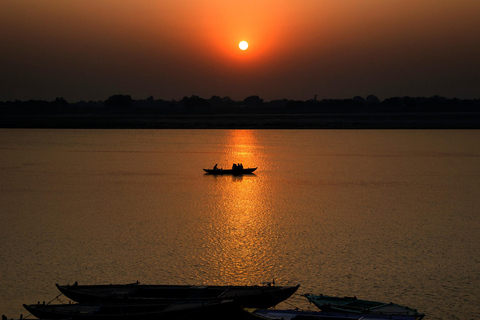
(60, 102)
(119, 101)
(295, 104)
(124, 104)
(372, 100)
(216, 101)
(253, 101)
(194, 102)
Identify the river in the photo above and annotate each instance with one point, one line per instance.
(387, 215)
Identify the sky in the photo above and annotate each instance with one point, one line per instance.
(335, 49)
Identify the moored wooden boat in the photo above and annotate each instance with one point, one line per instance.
(136, 311)
(354, 305)
(238, 171)
(265, 296)
(270, 314)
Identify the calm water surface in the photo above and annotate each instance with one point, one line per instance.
(390, 215)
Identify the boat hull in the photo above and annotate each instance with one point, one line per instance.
(129, 311)
(354, 305)
(246, 296)
(230, 171)
(269, 314)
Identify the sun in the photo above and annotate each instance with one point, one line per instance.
(243, 45)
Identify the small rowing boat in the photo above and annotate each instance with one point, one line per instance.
(238, 171)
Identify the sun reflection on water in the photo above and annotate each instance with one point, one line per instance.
(243, 235)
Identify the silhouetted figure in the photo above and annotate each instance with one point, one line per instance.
(234, 167)
(215, 167)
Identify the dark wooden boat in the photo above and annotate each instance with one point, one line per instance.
(136, 311)
(265, 296)
(271, 314)
(354, 305)
(238, 171)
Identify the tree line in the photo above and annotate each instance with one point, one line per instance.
(124, 104)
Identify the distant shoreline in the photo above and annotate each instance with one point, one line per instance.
(417, 120)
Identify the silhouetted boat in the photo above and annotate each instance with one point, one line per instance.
(270, 314)
(265, 296)
(238, 171)
(354, 305)
(132, 311)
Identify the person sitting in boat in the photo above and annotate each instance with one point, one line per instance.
(234, 167)
(215, 167)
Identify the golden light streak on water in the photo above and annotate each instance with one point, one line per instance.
(244, 235)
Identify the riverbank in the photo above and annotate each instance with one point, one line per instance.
(467, 120)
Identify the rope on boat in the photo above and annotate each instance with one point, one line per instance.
(28, 315)
(61, 294)
(291, 304)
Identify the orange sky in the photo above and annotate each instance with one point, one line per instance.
(92, 49)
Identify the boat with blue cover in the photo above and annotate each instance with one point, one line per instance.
(355, 305)
(273, 314)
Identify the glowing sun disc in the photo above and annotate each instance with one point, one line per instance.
(243, 45)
